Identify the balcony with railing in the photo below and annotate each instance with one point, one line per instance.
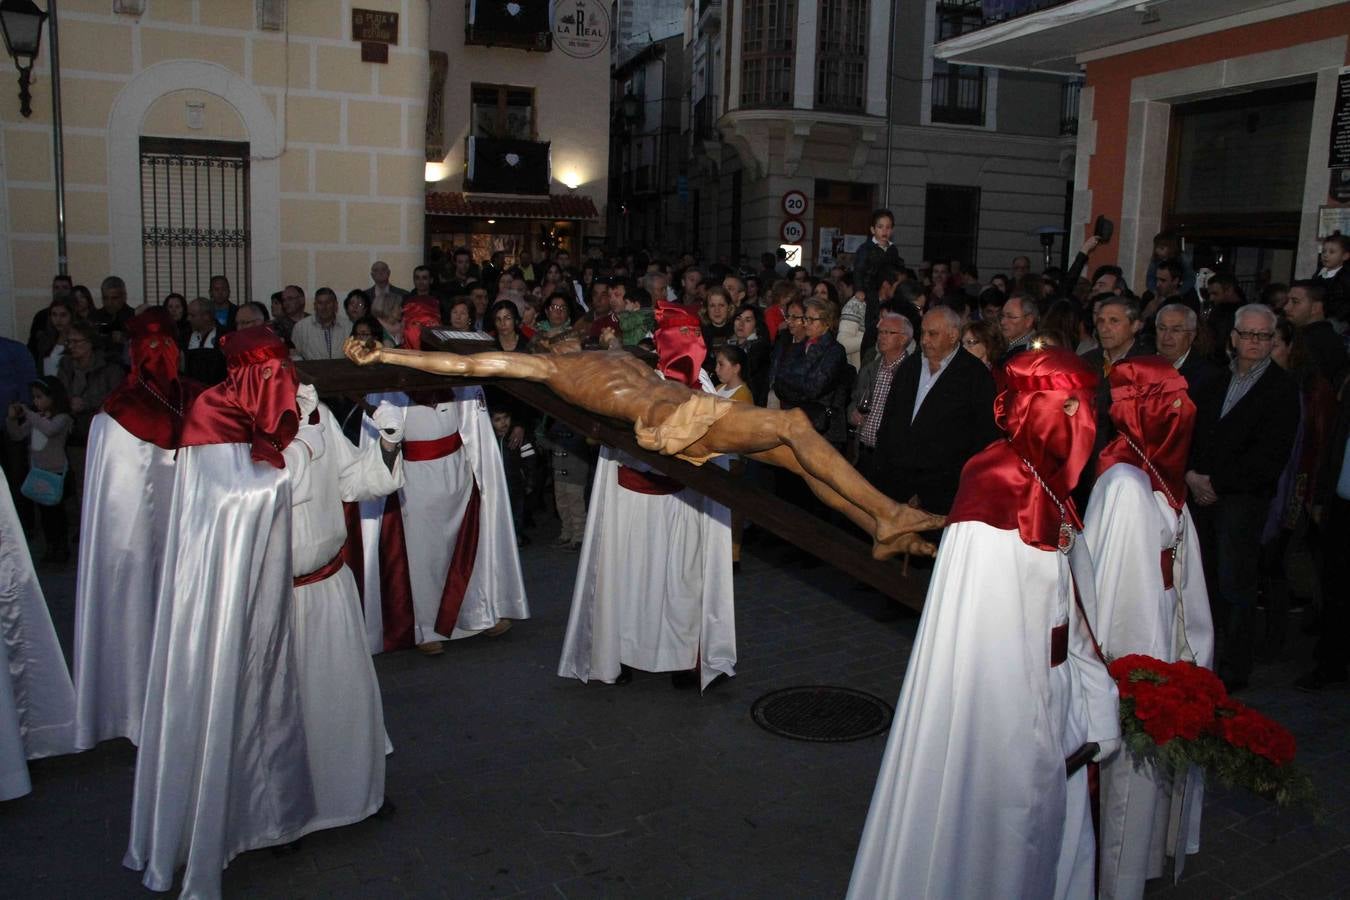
(521, 24)
(958, 95)
(994, 11)
(507, 166)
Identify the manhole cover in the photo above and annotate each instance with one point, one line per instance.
(822, 713)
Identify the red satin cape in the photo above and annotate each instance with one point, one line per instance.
(996, 487)
(1150, 406)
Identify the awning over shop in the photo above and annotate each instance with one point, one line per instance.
(1055, 35)
(556, 206)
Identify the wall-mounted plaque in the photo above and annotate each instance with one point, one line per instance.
(374, 26)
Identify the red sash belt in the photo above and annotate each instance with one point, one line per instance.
(327, 570)
(1168, 557)
(647, 482)
(1059, 644)
(424, 451)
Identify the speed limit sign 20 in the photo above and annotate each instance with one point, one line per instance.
(794, 203)
(792, 231)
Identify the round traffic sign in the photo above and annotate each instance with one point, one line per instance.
(794, 203)
(792, 231)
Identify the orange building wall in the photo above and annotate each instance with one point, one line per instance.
(1111, 78)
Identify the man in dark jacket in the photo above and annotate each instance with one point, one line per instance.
(1244, 432)
(1118, 326)
(1331, 511)
(1306, 310)
(939, 413)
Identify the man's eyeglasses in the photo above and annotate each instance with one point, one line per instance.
(796, 318)
(883, 331)
(815, 318)
(1259, 337)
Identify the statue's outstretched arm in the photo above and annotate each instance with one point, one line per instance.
(499, 364)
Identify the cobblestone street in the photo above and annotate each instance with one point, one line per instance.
(511, 781)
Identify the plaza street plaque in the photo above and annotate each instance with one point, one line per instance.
(1339, 157)
(374, 27)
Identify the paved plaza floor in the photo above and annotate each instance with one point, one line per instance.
(513, 782)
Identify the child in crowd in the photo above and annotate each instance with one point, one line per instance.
(46, 424)
(571, 471)
(519, 464)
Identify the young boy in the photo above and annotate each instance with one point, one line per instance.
(519, 465)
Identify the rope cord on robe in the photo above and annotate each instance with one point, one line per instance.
(1171, 554)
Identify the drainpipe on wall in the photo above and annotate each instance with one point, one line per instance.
(890, 63)
(58, 154)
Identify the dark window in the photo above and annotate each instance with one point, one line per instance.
(951, 222)
(841, 55)
(958, 91)
(736, 202)
(194, 217)
(498, 111)
(768, 38)
(523, 24)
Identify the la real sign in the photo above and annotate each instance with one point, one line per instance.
(580, 27)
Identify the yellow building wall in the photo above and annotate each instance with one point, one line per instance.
(338, 186)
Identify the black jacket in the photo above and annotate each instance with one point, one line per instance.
(925, 456)
(1245, 451)
(1198, 370)
(1325, 348)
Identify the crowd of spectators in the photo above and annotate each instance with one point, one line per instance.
(897, 366)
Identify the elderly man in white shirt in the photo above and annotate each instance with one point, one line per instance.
(321, 335)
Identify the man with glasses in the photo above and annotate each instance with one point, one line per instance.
(1176, 325)
(1017, 322)
(1244, 432)
(894, 336)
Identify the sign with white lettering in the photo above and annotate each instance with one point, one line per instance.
(1339, 157)
(375, 27)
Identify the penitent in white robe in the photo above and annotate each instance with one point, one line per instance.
(222, 766)
(1127, 526)
(128, 487)
(654, 585)
(433, 502)
(339, 694)
(972, 799)
(37, 702)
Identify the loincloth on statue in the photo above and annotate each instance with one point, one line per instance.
(685, 426)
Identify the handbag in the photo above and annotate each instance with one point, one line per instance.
(42, 487)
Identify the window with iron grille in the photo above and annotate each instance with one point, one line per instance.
(194, 217)
(841, 55)
(499, 111)
(958, 91)
(951, 222)
(768, 37)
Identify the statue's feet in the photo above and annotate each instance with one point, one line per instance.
(905, 543)
(904, 520)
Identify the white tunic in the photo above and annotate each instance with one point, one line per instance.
(222, 766)
(654, 585)
(972, 799)
(37, 702)
(128, 487)
(1127, 527)
(433, 502)
(339, 694)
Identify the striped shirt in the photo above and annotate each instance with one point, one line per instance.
(881, 389)
(1241, 384)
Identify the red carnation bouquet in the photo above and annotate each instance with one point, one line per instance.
(1178, 715)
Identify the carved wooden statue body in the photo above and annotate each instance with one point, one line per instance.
(670, 418)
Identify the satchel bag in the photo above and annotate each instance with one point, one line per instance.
(42, 487)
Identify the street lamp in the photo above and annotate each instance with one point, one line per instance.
(21, 21)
